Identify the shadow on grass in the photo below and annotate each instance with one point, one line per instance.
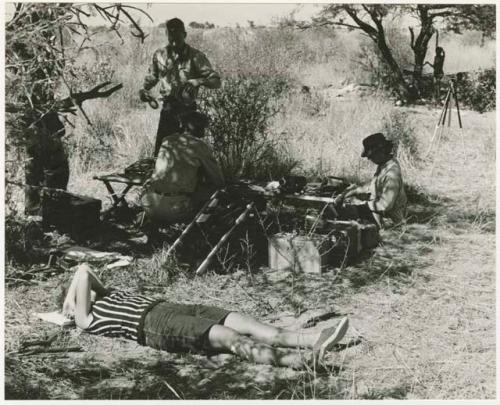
(169, 377)
(402, 252)
(424, 208)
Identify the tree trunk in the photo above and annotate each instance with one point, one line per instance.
(420, 45)
(402, 87)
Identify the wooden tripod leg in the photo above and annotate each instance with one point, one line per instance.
(447, 113)
(439, 123)
(455, 94)
(203, 266)
(446, 105)
(186, 230)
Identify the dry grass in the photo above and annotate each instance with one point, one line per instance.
(423, 301)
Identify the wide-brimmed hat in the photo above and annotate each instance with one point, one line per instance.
(375, 141)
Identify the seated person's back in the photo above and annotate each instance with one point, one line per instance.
(186, 173)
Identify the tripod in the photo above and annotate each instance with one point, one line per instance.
(446, 112)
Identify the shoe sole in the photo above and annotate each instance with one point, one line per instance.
(335, 337)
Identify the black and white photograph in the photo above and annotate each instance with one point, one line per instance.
(249, 201)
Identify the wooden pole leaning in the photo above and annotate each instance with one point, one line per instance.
(203, 266)
(212, 201)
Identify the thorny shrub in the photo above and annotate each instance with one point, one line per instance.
(240, 112)
(85, 76)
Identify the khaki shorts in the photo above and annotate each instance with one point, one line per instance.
(168, 209)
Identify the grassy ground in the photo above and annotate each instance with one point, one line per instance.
(423, 304)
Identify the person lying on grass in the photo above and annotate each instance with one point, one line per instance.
(177, 327)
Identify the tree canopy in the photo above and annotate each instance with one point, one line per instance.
(371, 20)
(41, 41)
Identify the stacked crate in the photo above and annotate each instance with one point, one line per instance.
(69, 213)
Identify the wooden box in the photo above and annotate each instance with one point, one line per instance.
(70, 213)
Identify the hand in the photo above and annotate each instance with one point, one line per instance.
(188, 90)
(350, 191)
(144, 95)
(147, 183)
(194, 82)
(339, 200)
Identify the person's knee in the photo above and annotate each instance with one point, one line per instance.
(222, 337)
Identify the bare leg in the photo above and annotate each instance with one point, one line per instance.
(270, 335)
(224, 338)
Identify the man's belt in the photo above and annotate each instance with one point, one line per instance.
(171, 102)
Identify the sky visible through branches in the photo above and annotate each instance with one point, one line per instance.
(220, 14)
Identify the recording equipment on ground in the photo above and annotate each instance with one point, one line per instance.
(70, 213)
(241, 200)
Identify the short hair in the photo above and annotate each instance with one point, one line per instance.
(175, 24)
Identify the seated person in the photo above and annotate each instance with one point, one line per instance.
(185, 174)
(386, 194)
(197, 328)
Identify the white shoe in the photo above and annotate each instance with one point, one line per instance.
(330, 337)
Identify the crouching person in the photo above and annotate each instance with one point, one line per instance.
(177, 327)
(185, 174)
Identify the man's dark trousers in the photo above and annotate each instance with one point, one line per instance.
(169, 120)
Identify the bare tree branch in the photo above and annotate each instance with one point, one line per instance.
(412, 38)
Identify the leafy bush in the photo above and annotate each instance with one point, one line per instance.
(240, 113)
(477, 90)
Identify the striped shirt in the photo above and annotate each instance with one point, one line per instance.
(120, 314)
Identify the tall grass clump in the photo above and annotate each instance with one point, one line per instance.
(398, 127)
(240, 113)
(330, 142)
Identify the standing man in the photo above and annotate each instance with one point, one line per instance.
(386, 193)
(181, 70)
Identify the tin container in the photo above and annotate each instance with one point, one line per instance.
(306, 254)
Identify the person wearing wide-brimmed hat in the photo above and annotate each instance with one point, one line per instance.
(387, 197)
